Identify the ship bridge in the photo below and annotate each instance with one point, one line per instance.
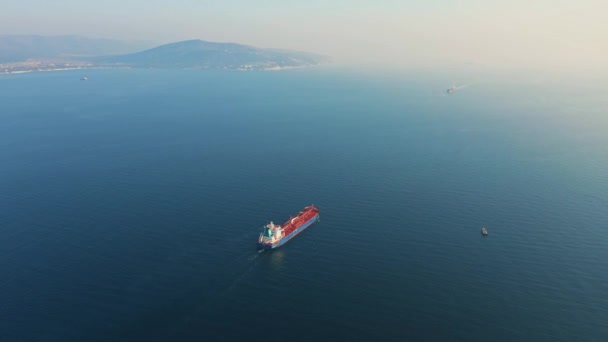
(271, 233)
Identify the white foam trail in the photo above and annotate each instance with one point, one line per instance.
(252, 262)
(253, 257)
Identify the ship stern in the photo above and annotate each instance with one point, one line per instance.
(264, 246)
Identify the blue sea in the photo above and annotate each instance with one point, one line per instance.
(131, 203)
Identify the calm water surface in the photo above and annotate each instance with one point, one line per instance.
(130, 205)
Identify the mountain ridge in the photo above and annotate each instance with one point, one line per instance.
(197, 53)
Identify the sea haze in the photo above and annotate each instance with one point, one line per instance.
(130, 205)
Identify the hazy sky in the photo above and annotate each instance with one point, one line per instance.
(523, 33)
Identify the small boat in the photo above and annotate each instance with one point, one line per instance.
(484, 231)
(452, 89)
(84, 78)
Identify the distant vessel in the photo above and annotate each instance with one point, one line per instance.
(274, 236)
(84, 78)
(452, 89)
(484, 231)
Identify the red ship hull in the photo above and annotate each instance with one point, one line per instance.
(275, 236)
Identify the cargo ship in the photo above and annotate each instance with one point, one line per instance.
(274, 236)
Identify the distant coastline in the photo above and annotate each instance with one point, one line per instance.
(54, 69)
(5, 71)
(56, 54)
(27, 71)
